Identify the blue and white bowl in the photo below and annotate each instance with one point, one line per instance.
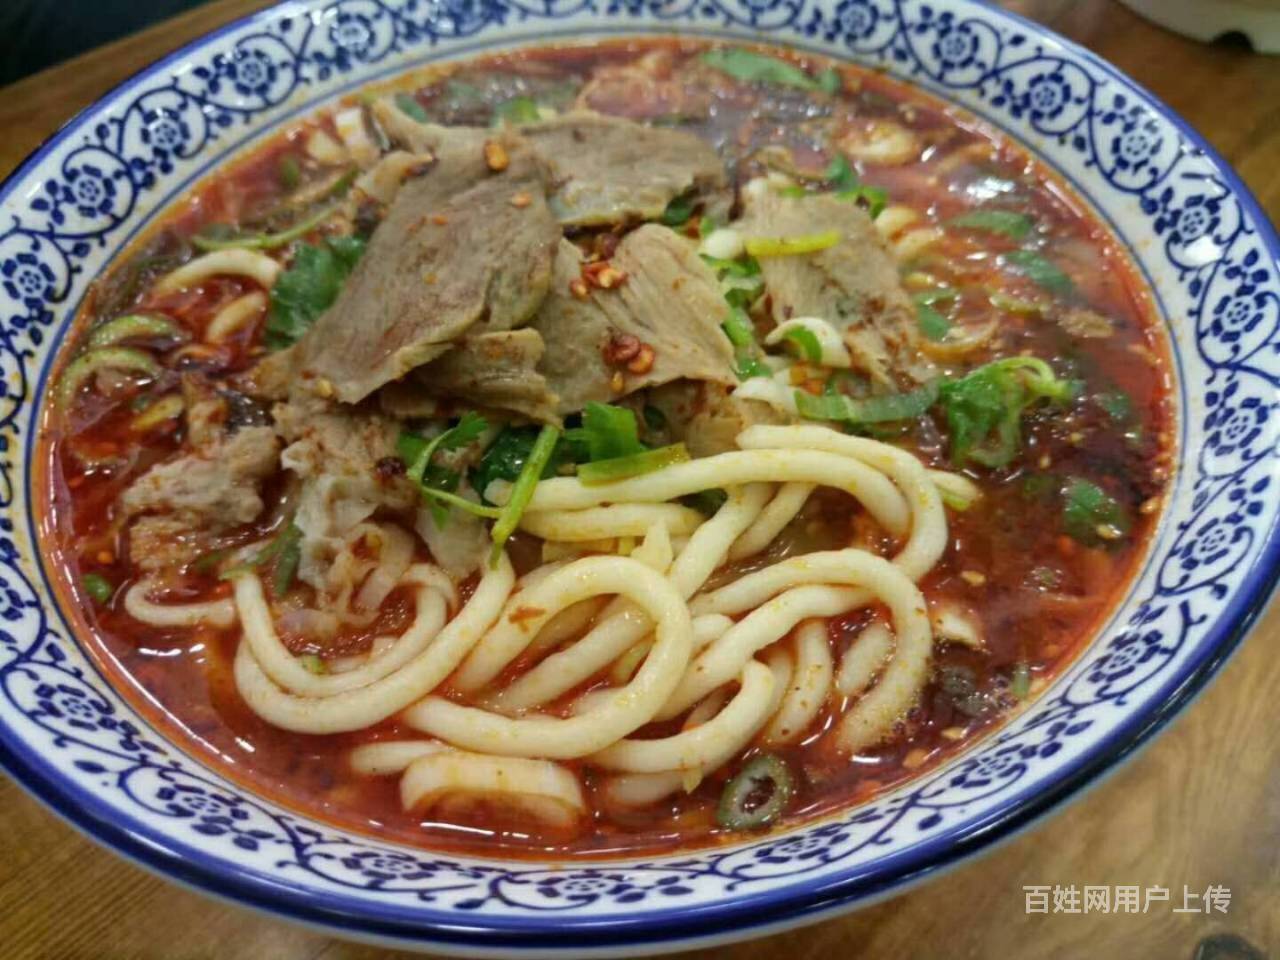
(1200, 240)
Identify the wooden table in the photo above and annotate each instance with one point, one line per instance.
(1201, 806)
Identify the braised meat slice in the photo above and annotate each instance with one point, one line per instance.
(494, 370)
(465, 248)
(660, 322)
(853, 285)
(609, 170)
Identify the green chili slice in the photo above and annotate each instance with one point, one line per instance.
(85, 366)
(757, 795)
(635, 465)
(130, 327)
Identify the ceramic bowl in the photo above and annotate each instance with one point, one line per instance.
(1196, 235)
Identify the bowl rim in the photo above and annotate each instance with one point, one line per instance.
(758, 913)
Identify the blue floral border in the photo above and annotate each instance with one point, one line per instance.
(64, 211)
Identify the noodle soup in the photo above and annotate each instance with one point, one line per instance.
(606, 449)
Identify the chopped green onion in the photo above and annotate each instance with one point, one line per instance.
(312, 663)
(1040, 271)
(1020, 683)
(830, 81)
(516, 111)
(1002, 301)
(739, 329)
(522, 490)
(620, 468)
(85, 366)
(807, 342)
(410, 106)
(742, 334)
(288, 556)
(932, 324)
(678, 211)
(742, 806)
(841, 175)
(289, 172)
(706, 502)
(263, 241)
(792, 246)
(751, 67)
(133, 326)
(98, 587)
(206, 563)
(1004, 222)
(875, 199)
(878, 409)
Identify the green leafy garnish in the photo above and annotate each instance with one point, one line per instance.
(706, 502)
(98, 587)
(312, 663)
(678, 212)
(410, 106)
(436, 482)
(807, 343)
(515, 111)
(936, 295)
(607, 432)
(507, 455)
(933, 324)
(830, 81)
(309, 287)
(1116, 404)
(1020, 681)
(637, 464)
(288, 556)
(1091, 515)
(859, 411)
(847, 186)
(289, 172)
(751, 67)
(1040, 271)
(223, 240)
(1007, 223)
(522, 490)
(984, 408)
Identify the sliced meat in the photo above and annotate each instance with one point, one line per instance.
(219, 485)
(611, 170)
(669, 302)
(162, 543)
(335, 451)
(707, 417)
(494, 370)
(465, 248)
(853, 285)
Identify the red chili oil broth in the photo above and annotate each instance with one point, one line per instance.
(182, 680)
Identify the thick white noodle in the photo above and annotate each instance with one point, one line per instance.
(540, 789)
(702, 746)
(928, 537)
(954, 624)
(221, 263)
(365, 706)
(782, 509)
(865, 658)
(287, 671)
(629, 708)
(600, 523)
(959, 487)
(215, 613)
(386, 757)
(880, 579)
(764, 465)
(623, 626)
(809, 685)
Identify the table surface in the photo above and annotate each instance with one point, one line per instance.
(1200, 807)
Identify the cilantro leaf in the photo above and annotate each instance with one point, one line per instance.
(984, 408)
(606, 432)
(506, 456)
(988, 220)
(1091, 515)
(410, 106)
(309, 287)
